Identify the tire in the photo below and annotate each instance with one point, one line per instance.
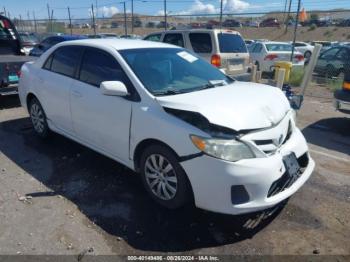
(330, 71)
(38, 118)
(163, 177)
(307, 55)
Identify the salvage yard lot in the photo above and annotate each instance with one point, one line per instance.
(58, 197)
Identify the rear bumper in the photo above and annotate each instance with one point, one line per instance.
(342, 100)
(9, 90)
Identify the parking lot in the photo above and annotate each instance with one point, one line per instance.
(58, 197)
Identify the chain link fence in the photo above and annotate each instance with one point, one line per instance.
(329, 28)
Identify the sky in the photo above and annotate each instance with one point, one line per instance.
(106, 8)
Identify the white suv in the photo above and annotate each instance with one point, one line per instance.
(224, 49)
(190, 131)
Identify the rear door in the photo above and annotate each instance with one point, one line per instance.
(56, 79)
(234, 53)
(99, 120)
(326, 60)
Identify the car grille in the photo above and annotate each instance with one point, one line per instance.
(269, 146)
(286, 181)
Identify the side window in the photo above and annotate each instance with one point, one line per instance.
(48, 62)
(257, 48)
(201, 42)
(174, 39)
(65, 60)
(98, 66)
(155, 37)
(329, 54)
(343, 54)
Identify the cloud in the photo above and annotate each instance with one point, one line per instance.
(198, 7)
(235, 5)
(108, 11)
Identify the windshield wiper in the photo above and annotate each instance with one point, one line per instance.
(167, 92)
(213, 84)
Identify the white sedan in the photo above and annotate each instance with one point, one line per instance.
(266, 54)
(305, 49)
(192, 133)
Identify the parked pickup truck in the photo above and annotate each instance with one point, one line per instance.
(11, 57)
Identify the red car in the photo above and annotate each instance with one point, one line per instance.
(270, 22)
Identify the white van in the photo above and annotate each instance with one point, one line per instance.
(224, 48)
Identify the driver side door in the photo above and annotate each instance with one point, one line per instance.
(99, 120)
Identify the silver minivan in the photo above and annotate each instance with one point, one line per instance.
(224, 48)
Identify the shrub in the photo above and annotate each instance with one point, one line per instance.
(312, 27)
(296, 76)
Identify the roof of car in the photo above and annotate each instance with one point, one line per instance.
(273, 42)
(119, 44)
(199, 30)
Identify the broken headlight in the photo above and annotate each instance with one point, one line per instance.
(229, 150)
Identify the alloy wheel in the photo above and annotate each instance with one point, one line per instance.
(38, 118)
(161, 177)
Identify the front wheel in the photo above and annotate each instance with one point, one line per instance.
(164, 178)
(38, 117)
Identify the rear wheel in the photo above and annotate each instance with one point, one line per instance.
(164, 178)
(38, 118)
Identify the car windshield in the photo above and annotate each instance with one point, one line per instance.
(231, 43)
(279, 47)
(27, 38)
(169, 71)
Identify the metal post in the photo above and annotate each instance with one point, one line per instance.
(165, 17)
(221, 14)
(70, 21)
(125, 25)
(30, 22)
(96, 19)
(20, 22)
(51, 20)
(132, 16)
(289, 8)
(48, 14)
(4, 11)
(295, 31)
(93, 19)
(35, 25)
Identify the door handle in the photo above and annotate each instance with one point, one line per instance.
(76, 93)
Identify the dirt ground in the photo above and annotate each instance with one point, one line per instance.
(58, 197)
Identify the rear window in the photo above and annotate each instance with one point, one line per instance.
(278, 47)
(231, 43)
(201, 42)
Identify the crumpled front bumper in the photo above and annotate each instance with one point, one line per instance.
(213, 180)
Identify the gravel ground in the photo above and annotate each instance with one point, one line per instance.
(58, 197)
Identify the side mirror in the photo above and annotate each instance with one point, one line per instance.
(222, 70)
(113, 88)
(40, 46)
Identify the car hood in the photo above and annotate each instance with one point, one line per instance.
(239, 106)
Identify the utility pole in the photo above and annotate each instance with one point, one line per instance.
(51, 20)
(70, 21)
(165, 16)
(132, 16)
(29, 21)
(5, 11)
(295, 30)
(125, 26)
(35, 26)
(221, 14)
(290, 6)
(20, 22)
(96, 15)
(93, 19)
(48, 14)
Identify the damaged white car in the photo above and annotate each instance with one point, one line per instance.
(191, 132)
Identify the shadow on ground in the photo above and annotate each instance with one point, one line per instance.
(330, 133)
(112, 196)
(7, 102)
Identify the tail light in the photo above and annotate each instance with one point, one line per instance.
(299, 58)
(271, 57)
(216, 60)
(19, 73)
(346, 85)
